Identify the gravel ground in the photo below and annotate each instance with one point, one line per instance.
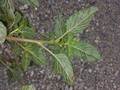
(104, 33)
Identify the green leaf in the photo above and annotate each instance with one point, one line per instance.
(59, 27)
(7, 12)
(18, 17)
(35, 53)
(28, 87)
(25, 62)
(3, 33)
(2, 2)
(69, 50)
(85, 50)
(27, 32)
(24, 32)
(63, 66)
(80, 20)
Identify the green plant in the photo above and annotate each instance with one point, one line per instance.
(61, 44)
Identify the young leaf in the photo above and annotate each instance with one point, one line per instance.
(86, 49)
(69, 50)
(3, 33)
(25, 62)
(27, 32)
(7, 12)
(35, 53)
(63, 66)
(79, 21)
(24, 31)
(18, 17)
(59, 27)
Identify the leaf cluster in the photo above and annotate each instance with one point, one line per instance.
(62, 43)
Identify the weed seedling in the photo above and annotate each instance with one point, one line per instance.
(61, 44)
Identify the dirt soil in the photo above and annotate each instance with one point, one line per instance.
(104, 33)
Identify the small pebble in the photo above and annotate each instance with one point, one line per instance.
(32, 73)
(97, 24)
(90, 70)
(66, 1)
(36, 8)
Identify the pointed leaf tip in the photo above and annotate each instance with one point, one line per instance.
(80, 20)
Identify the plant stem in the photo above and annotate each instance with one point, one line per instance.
(40, 43)
(9, 38)
(57, 40)
(16, 30)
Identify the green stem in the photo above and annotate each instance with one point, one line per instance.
(40, 43)
(16, 30)
(57, 40)
(29, 40)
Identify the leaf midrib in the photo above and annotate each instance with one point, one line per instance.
(82, 51)
(54, 57)
(30, 53)
(62, 66)
(79, 23)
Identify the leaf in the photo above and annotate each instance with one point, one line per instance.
(24, 32)
(18, 17)
(25, 62)
(35, 53)
(69, 50)
(28, 87)
(59, 27)
(7, 12)
(80, 20)
(3, 33)
(27, 32)
(63, 66)
(86, 50)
